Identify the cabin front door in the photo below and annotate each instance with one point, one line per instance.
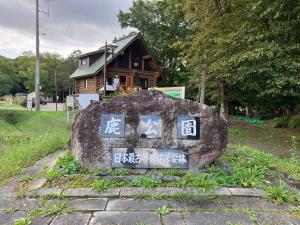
(144, 83)
(129, 82)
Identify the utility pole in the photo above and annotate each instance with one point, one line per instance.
(37, 61)
(55, 80)
(105, 65)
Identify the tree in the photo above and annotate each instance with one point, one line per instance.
(162, 24)
(6, 84)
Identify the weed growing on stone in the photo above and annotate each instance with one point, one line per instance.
(164, 210)
(251, 215)
(103, 185)
(51, 209)
(189, 197)
(145, 181)
(52, 175)
(170, 172)
(119, 172)
(279, 194)
(22, 221)
(53, 196)
(142, 197)
(9, 210)
(161, 196)
(293, 150)
(68, 165)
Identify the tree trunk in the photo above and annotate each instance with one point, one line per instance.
(203, 85)
(224, 100)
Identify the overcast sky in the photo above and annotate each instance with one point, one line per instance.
(72, 25)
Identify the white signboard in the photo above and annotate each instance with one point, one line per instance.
(86, 99)
(70, 101)
(29, 103)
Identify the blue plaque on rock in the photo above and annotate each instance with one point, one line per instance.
(112, 125)
(150, 127)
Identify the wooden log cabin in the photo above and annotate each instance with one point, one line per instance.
(128, 60)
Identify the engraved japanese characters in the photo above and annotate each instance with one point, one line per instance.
(148, 130)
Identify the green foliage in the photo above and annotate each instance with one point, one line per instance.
(203, 182)
(287, 122)
(11, 116)
(53, 209)
(249, 176)
(293, 150)
(170, 172)
(189, 197)
(6, 84)
(281, 122)
(252, 46)
(252, 216)
(119, 172)
(164, 210)
(69, 165)
(28, 137)
(145, 181)
(20, 100)
(279, 194)
(22, 221)
(103, 184)
(162, 24)
(52, 174)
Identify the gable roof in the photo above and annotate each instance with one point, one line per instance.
(99, 63)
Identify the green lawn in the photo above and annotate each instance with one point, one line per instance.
(277, 141)
(4, 105)
(26, 136)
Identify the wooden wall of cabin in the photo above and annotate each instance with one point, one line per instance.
(86, 85)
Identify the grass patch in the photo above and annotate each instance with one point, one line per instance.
(279, 194)
(27, 136)
(104, 184)
(290, 166)
(170, 172)
(145, 181)
(240, 166)
(287, 122)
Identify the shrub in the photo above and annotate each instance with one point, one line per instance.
(20, 100)
(10, 116)
(294, 121)
(281, 122)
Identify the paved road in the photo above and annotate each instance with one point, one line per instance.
(52, 107)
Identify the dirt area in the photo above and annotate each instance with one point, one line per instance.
(263, 137)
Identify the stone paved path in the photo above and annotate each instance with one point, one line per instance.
(118, 206)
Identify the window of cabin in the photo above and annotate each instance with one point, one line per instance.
(122, 80)
(109, 81)
(136, 62)
(147, 65)
(123, 60)
(84, 83)
(84, 62)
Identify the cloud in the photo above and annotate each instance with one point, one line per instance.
(72, 25)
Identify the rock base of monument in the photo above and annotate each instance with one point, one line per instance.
(148, 130)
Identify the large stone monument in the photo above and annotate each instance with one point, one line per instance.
(148, 130)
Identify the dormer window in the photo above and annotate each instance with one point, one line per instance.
(84, 62)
